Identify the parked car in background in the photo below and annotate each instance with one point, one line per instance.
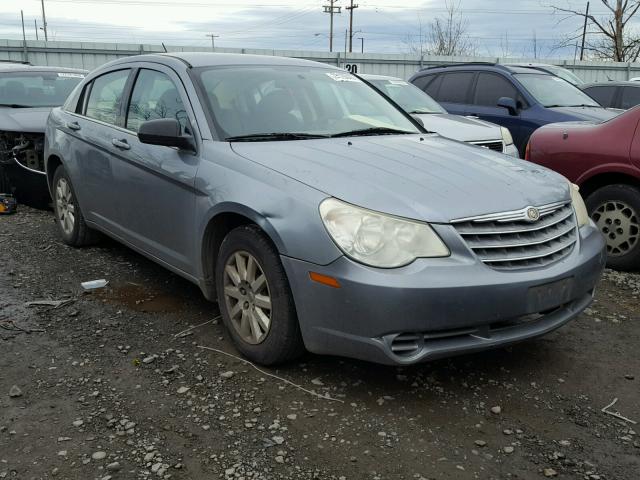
(436, 119)
(521, 99)
(621, 95)
(604, 160)
(27, 95)
(561, 72)
(318, 213)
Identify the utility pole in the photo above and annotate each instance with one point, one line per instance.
(331, 9)
(584, 32)
(35, 24)
(346, 35)
(213, 40)
(24, 38)
(44, 23)
(535, 45)
(351, 9)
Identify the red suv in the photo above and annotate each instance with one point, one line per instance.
(604, 161)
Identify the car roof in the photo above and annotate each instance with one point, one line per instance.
(613, 83)
(211, 59)
(25, 67)
(487, 66)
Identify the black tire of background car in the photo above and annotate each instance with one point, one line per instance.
(5, 184)
(81, 235)
(631, 196)
(284, 340)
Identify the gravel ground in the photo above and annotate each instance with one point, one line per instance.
(101, 387)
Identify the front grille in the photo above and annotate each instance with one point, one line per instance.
(510, 241)
(496, 146)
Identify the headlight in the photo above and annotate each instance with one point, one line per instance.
(506, 136)
(580, 208)
(377, 239)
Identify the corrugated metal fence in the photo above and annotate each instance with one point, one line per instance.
(90, 55)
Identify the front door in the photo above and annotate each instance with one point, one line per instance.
(157, 195)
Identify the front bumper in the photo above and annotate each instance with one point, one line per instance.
(439, 307)
(29, 186)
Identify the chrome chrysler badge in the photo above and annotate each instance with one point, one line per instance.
(533, 214)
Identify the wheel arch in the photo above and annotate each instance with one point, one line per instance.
(222, 219)
(592, 181)
(52, 162)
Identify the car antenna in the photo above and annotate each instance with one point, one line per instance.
(165, 48)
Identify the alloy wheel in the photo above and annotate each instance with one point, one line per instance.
(618, 222)
(247, 297)
(65, 207)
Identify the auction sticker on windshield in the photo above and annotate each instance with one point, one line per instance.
(70, 75)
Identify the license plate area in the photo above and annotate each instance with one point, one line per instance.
(550, 295)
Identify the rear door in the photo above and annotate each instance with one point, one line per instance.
(489, 88)
(157, 183)
(452, 91)
(98, 121)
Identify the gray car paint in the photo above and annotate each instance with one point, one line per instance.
(28, 120)
(461, 128)
(278, 185)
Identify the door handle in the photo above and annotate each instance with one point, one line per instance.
(121, 144)
(73, 126)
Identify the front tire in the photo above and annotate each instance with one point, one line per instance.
(616, 211)
(68, 214)
(255, 299)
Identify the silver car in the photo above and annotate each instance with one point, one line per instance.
(315, 211)
(436, 119)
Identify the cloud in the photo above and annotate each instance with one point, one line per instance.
(497, 27)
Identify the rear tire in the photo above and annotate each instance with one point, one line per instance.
(616, 211)
(68, 214)
(255, 299)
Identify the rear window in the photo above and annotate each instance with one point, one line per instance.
(630, 97)
(603, 95)
(455, 87)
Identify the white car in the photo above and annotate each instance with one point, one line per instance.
(436, 119)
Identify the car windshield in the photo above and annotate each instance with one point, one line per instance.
(565, 74)
(408, 96)
(37, 89)
(300, 101)
(552, 91)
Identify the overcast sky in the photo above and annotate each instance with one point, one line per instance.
(497, 27)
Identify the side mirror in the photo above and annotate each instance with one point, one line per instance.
(166, 132)
(508, 103)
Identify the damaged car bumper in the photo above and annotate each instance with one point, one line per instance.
(435, 308)
(22, 159)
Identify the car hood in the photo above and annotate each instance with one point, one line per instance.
(460, 128)
(31, 120)
(424, 177)
(590, 114)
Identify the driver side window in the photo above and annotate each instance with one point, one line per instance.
(155, 96)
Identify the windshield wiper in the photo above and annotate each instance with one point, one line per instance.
(258, 137)
(371, 131)
(421, 112)
(15, 105)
